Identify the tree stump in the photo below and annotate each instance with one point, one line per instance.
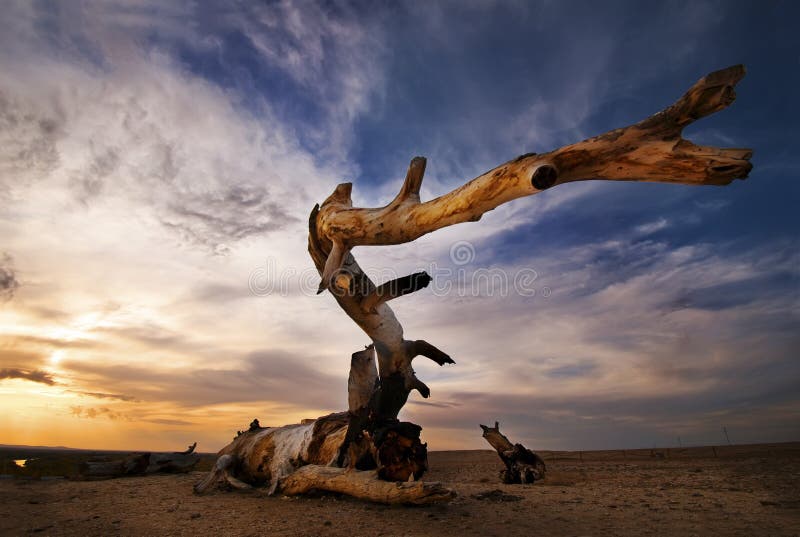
(522, 464)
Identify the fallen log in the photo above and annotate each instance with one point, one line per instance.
(346, 452)
(137, 464)
(297, 458)
(364, 485)
(522, 464)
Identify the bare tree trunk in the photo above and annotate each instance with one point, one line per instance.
(369, 436)
(651, 150)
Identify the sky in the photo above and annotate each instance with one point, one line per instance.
(158, 162)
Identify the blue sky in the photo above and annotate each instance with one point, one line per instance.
(155, 159)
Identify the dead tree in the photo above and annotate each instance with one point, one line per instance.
(138, 464)
(307, 456)
(522, 464)
(651, 150)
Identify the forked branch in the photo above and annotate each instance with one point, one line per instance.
(651, 150)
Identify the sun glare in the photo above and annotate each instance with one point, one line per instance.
(56, 357)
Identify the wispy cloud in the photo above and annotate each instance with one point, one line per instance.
(97, 412)
(102, 395)
(35, 375)
(153, 156)
(272, 375)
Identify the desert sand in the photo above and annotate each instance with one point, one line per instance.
(754, 491)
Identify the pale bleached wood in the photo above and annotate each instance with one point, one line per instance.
(264, 456)
(364, 485)
(651, 150)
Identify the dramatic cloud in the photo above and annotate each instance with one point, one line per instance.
(41, 377)
(271, 375)
(158, 164)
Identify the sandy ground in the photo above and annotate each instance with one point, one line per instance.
(756, 494)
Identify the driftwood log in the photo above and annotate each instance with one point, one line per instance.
(522, 464)
(365, 485)
(651, 150)
(137, 464)
(294, 459)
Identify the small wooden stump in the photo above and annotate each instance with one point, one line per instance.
(522, 464)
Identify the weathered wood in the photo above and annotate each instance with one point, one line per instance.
(370, 435)
(522, 464)
(265, 456)
(394, 289)
(651, 150)
(362, 379)
(141, 464)
(271, 456)
(364, 485)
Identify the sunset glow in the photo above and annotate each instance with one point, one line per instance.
(158, 163)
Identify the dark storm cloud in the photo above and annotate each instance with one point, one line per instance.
(35, 375)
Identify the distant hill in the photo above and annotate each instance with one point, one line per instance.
(60, 448)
